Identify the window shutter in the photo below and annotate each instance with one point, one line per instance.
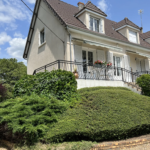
(78, 53)
(89, 22)
(138, 64)
(146, 64)
(133, 36)
(101, 25)
(110, 57)
(127, 62)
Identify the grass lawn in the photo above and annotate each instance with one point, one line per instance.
(84, 145)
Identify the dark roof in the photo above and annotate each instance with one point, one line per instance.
(66, 14)
(126, 21)
(145, 35)
(89, 5)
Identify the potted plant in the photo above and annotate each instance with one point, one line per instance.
(99, 64)
(109, 65)
(76, 73)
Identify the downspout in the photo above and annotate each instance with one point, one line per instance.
(70, 38)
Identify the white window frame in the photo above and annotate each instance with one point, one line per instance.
(130, 37)
(100, 24)
(40, 44)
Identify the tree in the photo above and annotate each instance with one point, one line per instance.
(2, 92)
(11, 71)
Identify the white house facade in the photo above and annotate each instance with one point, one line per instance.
(64, 36)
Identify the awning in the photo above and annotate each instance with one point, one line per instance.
(116, 48)
(138, 53)
(103, 45)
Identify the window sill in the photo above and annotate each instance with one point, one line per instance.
(42, 44)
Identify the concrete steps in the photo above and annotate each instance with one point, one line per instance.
(134, 86)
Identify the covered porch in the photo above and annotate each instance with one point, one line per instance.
(87, 52)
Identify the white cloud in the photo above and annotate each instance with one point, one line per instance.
(18, 35)
(4, 38)
(102, 4)
(31, 1)
(11, 11)
(16, 48)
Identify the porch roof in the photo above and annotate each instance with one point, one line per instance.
(99, 44)
(138, 53)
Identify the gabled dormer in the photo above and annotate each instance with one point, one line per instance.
(92, 17)
(146, 36)
(128, 29)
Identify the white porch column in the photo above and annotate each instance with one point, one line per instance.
(110, 57)
(147, 64)
(127, 62)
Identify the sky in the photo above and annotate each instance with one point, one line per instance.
(15, 20)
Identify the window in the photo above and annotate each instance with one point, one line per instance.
(86, 54)
(132, 36)
(90, 58)
(96, 25)
(84, 61)
(42, 37)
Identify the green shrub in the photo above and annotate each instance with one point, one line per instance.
(58, 83)
(3, 91)
(144, 82)
(103, 114)
(29, 117)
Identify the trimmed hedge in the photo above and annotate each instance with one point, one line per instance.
(144, 82)
(104, 114)
(28, 118)
(58, 83)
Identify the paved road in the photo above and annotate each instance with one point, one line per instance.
(141, 147)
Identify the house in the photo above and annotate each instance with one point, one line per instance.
(63, 36)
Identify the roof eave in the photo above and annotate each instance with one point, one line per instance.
(31, 29)
(110, 38)
(87, 9)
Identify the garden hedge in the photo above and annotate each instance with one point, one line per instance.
(58, 83)
(103, 114)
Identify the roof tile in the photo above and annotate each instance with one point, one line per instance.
(67, 13)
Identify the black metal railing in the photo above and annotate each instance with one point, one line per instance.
(90, 71)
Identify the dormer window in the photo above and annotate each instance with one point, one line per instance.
(96, 24)
(132, 36)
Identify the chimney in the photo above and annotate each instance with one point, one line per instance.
(141, 30)
(80, 5)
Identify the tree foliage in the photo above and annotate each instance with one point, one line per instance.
(2, 92)
(11, 71)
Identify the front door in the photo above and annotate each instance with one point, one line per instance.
(117, 64)
(87, 59)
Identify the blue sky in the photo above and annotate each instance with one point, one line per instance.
(15, 20)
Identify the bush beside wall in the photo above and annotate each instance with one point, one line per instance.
(58, 83)
(144, 82)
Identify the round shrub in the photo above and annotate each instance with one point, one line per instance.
(28, 118)
(144, 82)
(58, 83)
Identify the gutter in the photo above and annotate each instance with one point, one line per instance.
(70, 38)
(107, 38)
